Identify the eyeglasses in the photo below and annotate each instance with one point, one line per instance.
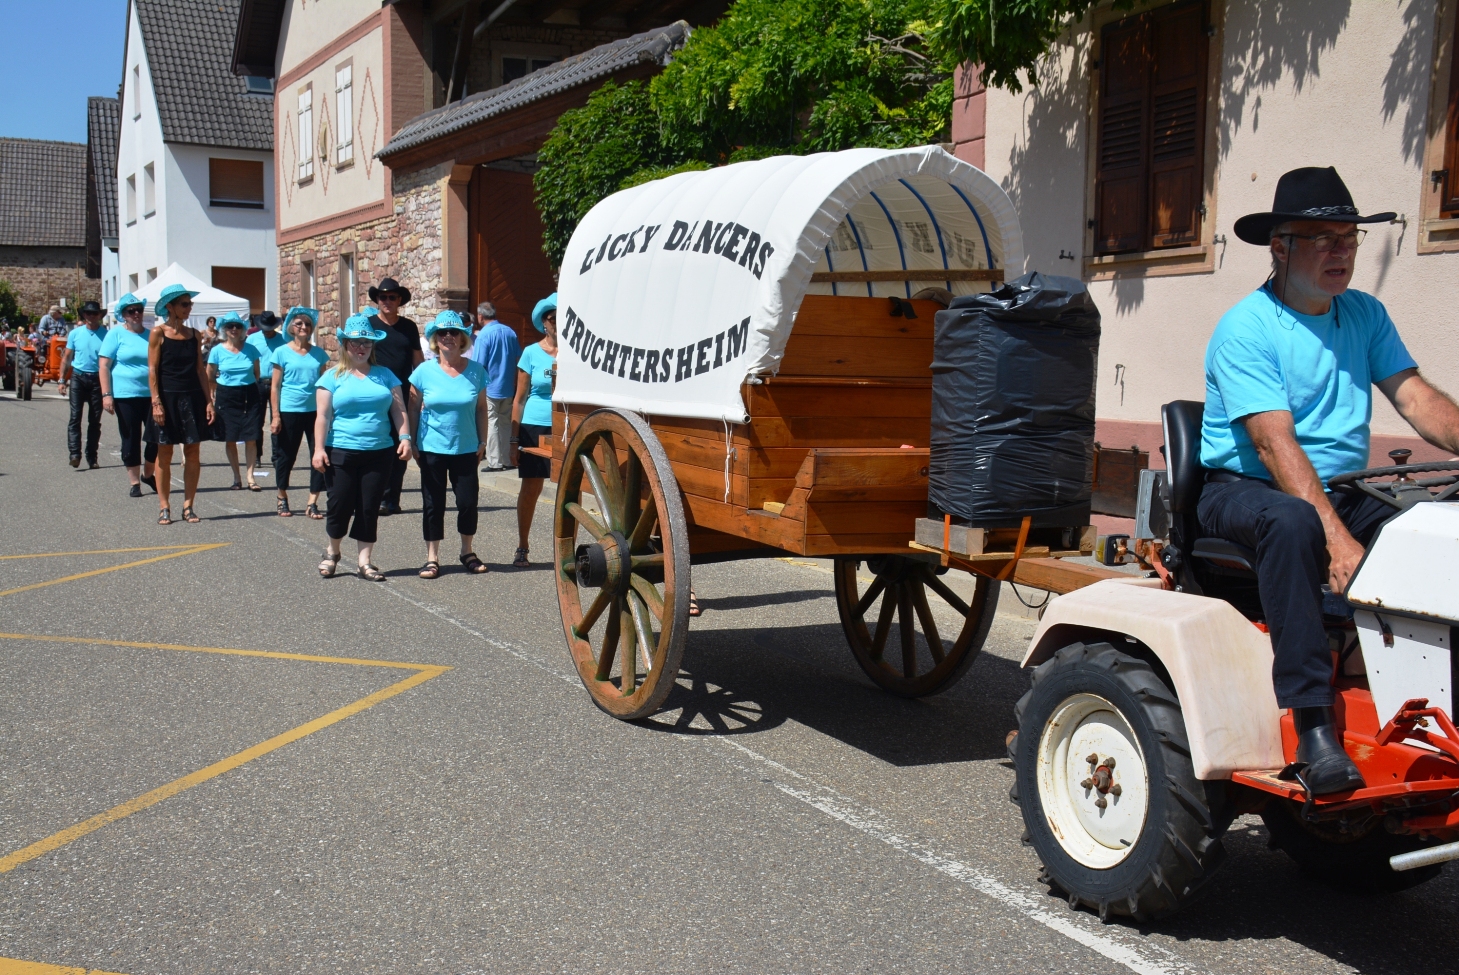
(180, 302)
(1322, 243)
(365, 343)
(389, 296)
(132, 310)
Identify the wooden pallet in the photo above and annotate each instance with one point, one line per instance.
(991, 544)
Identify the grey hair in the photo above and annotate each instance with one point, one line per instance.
(486, 309)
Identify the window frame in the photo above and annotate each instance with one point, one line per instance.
(1195, 258)
(214, 200)
(149, 190)
(136, 92)
(307, 284)
(131, 200)
(529, 52)
(344, 114)
(1438, 231)
(348, 286)
(304, 126)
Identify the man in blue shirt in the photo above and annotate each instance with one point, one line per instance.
(1289, 377)
(266, 340)
(496, 348)
(82, 346)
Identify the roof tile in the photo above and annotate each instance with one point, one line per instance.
(42, 193)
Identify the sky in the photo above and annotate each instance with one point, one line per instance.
(57, 53)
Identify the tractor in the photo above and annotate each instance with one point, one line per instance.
(27, 366)
(1152, 723)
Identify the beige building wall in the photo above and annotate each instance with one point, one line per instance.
(1351, 83)
(311, 24)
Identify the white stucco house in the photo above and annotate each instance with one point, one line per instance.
(194, 171)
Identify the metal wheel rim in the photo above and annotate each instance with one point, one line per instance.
(648, 607)
(880, 649)
(1081, 726)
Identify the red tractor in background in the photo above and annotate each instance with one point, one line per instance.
(26, 365)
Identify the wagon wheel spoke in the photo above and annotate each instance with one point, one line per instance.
(907, 625)
(586, 518)
(628, 659)
(948, 596)
(610, 641)
(929, 625)
(647, 522)
(654, 561)
(610, 504)
(872, 591)
(595, 609)
(884, 621)
(600, 488)
(643, 627)
(632, 491)
(650, 596)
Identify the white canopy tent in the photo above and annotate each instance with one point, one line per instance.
(673, 292)
(211, 302)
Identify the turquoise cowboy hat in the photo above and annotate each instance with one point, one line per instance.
(358, 327)
(126, 301)
(447, 319)
(310, 313)
(171, 293)
(548, 304)
(232, 318)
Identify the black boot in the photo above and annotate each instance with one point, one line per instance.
(1319, 747)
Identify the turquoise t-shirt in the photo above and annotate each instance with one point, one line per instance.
(300, 373)
(234, 368)
(85, 346)
(448, 407)
(1265, 356)
(266, 347)
(536, 363)
(361, 408)
(127, 351)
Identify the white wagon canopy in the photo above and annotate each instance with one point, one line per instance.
(673, 292)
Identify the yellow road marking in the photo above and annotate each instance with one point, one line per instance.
(14, 966)
(423, 673)
(190, 550)
(99, 551)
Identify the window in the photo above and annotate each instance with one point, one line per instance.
(257, 85)
(1150, 162)
(136, 91)
(1448, 178)
(131, 200)
(132, 282)
(151, 274)
(235, 183)
(306, 284)
(346, 286)
(344, 114)
(514, 68)
(149, 191)
(245, 282)
(306, 133)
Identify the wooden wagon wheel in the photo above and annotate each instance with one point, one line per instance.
(922, 663)
(632, 560)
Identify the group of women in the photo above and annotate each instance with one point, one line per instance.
(167, 392)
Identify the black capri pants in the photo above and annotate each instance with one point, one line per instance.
(136, 426)
(434, 471)
(293, 428)
(357, 480)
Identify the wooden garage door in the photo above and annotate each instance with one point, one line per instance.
(508, 267)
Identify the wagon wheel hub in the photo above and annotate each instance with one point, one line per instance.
(606, 564)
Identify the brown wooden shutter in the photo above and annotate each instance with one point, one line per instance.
(1450, 186)
(1178, 112)
(1121, 173)
(235, 183)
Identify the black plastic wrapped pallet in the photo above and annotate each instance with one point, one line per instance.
(1013, 374)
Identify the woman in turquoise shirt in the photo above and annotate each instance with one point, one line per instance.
(359, 405)
(532, 418)
(294, 369)
(233, 366)
(126, 393)
(448, 417)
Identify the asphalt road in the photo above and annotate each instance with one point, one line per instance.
(346, 816)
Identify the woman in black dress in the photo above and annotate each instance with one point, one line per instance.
(181, 398)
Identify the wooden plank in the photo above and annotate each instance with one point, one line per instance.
(783, 397)
(864, 467)
(946, 274)
(758, 526)
(825, 355)
(749, 460)
(1058, 576)
(863, 318)
(880, 516)
(848, 544)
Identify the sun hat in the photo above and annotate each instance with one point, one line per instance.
(548, 304)
(232, 318)
(447, 319)
(358, 327)
(310, 313)
(171, 293)
(90, 308)
(126, 301)
(1309, 193)
(268, 320)
(390, 284)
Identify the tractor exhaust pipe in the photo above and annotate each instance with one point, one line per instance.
(1423, 858)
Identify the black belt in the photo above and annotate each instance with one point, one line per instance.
(1230, 477)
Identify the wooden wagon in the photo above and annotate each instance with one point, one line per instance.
(745, 370)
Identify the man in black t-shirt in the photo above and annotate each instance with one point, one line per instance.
(399, 352)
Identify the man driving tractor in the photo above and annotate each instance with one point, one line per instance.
(1289, 372)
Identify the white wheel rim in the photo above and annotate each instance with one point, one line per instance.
(1086, 725)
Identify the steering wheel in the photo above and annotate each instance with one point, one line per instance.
(1404, 492)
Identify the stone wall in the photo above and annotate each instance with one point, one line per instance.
(39, 287)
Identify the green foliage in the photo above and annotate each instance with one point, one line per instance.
(9, 304)
(1005, 37)
(659, 172)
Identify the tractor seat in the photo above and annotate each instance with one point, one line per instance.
(1223, 554)
(1185, 479)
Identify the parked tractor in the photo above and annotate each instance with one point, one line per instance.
(1152, 722)
(26, 366)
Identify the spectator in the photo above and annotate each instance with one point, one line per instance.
(448, 418)
(210, 335)
(398, 349)
(83, 346)
(496, 350)
(532, 418)
(234, 367)
(266, 340)
(52, 323)
(126, 391)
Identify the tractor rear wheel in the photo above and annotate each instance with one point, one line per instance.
(1107, 788)
(1354, 861)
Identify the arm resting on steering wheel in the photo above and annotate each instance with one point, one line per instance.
(1429, 411)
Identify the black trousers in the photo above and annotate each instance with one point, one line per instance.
(357, 480)
(1291, 566)
(85, 393)
(397, 472)
(293, 428)
(135, 424)
(265, 390)
(434, 471)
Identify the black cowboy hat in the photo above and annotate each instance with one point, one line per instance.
(1309, 193)
(267, 319)
(90, 308)
(390, 284)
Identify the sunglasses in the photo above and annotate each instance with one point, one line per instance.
(389, 296)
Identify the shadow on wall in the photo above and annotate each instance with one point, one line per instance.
(1406, 83)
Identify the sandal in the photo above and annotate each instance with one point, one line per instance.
(189, 515)
(254, 487)
(430, 570)
(313, 512)
(327, 565)
(694, 609)
(519, 559)
(282, 507)
(237, 486)
(164, 517)
(473, 564)
(371, 574)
